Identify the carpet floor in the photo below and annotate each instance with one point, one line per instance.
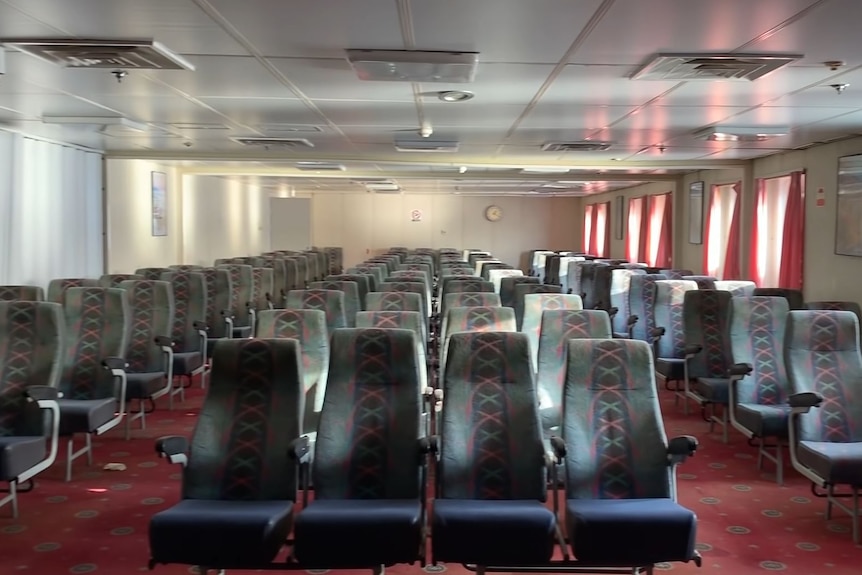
(98, 522)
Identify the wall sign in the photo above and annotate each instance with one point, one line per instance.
(416, 216)
(821, 198)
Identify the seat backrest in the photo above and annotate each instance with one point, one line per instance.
(479, 318)
(330, 301)
(507, 288)
(412, 320)
(351, 296)
(471, 299)
(190, 306)
(676, 274)
(292, 279)
(496, 275)
(152, 307)
(705, 316)
(240, 448)
(114, 280)
(370, 426)
(363, 285)
(264, 287)
(242, 286)
(794, 296)
(669, 297)
(22, 293)
(31, 354)
(703, 282)
(821, 353)
(98, 326)
(308, 327)
(151, 273)
(836, 306)
(589, 291)
(490, 439)
(534, 305)
(642, 304)
(612, 424)
(409, 286)
(621, 280)
(757, 327)
(558, 327)
(394, 301)
(57, 287)
(219, 298)
(184, 268)
(736, 287)
(522, 290)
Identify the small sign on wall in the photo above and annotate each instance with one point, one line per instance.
(416, 216)
(821, 198)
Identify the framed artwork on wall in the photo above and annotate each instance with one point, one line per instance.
(848, 207)
(695, 212)
(159, 191)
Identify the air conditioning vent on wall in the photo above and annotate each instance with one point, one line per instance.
(680, 67)
(274, 142)
(71, 53)
(584, 146)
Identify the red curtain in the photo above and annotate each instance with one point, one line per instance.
(732, 265)
(760, 197)
(588, 221)
(643, 252)
(793, 239)
(713, 194)
(664, 254)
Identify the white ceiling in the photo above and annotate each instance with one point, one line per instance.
(548, 70)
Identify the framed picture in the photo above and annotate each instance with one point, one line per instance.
(848, 207)
(159, 187)
(695, 212)
(619, 217)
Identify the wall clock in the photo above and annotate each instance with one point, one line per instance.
(493, 213)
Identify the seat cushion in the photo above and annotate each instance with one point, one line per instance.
(713, 389)
(492, 532)
(144, 385)
(837, 463)
(185, 363)
(630, 532)
(220, 534)
(242, 332)
(670, 368)
(763, 420)
(85, 415)
(18, 454)
(358, 533)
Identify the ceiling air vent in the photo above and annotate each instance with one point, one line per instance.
(320, 167)
(292, 128)
(426, 145)
(712, 66)
(413, 65)
(584, 146)
(274, 142)
(133, 54)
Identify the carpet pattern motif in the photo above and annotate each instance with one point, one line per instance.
(98, 522)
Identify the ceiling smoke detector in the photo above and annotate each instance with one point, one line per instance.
(455, 96)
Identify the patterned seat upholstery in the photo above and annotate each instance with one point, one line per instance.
(836, 306)
(642, 305)
(292, 277)
(522, 290)
(573, 276)
(590, 291)
(824, 365)
(308, 327)
(676, 274)
(22, 293)
(150, 351)
(409, 286)
(151, 273)
(602, 286)
(703, 282)
(495, 276)
(412, 320)
(242, 298)
(621, 508)
(534, 305)
(758, 400)
(219, 298)
(507, 288)
(621, 281)
(488, 266)
(185, 268)
(668, 313)
(114, 280)
(491, 474)
(363, 286)
(474, 319)
(264, 288)
(240, 484)
(302, 272)
(189, 328)
(794, 296)
(368, 463)
(31, 359)
(558, 327)
(98, 327)
(736, 287)
(330, 301)
(470, 299)
(57, 288)
(375, 275)
(707, 351)
(351, 297)
(279, 278)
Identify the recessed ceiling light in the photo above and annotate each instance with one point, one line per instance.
(453, 96)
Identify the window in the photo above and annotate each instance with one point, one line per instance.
(776, 260)
(588, 229)
(719, 222)
(602, 230)
(659, 234)
(634, 250)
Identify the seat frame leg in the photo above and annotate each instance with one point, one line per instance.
(12, 498)
(72, 455)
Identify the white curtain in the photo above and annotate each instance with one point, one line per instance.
(600, 249)
(721, 207)
(588, 228)
(655, 227)
(633, 237)
(50, 211)
(771, 207)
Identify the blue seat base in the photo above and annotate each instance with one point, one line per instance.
(220, 534)
(837, 463)
(492, 532)
(358, 533)
(630, 532)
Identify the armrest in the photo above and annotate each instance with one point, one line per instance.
(228, 313)
(692, 349)
(42, 393)
(633, 319)
(427, 446)
(559, 447)
(300, 449)
(739, 370)
(657, 332)
(680, 448)
(804, 401)
(174, 448)
(200, 326)
(164, 341)
(612, 311)
(115, 363)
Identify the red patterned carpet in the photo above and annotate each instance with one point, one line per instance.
(98, 522)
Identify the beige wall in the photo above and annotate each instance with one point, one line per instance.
(130, 243)
(367, 223)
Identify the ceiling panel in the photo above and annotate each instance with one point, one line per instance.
(471, 113)
(226, 76)
(265, 110)
(824, 95)
(634, 29)
(537, 31)
(329, 79)
(785, 116)
(606, 85)
(346, 113)
(38, 105)
(667, 119)
(500, 83)
(14, 22)
(314, 29)
(181, 26)
(161, 109)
